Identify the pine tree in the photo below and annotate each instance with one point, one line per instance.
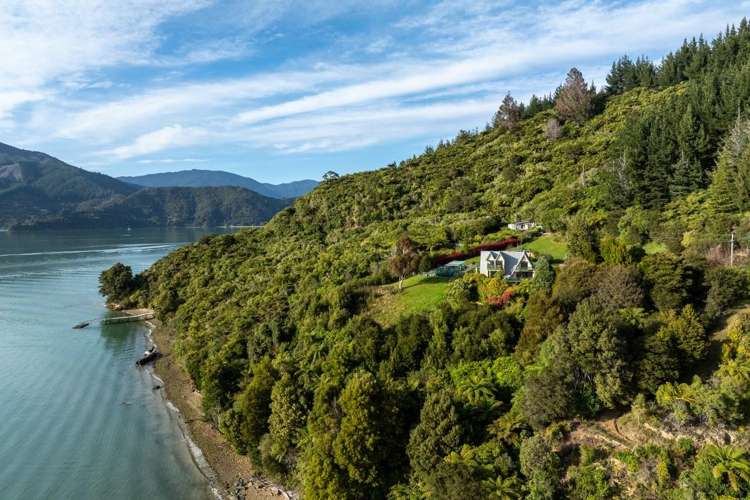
(537, 105)
(582, 238)
(509, 113)
(616, 79)
(730, 184)
(692, 140)
(722, 196)
(573, 98)
(644, 72)
(654, 191)
(687, 176)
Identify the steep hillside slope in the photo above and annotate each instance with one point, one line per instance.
(181, 206)
(35, 185)
(497, 390)
(217, 178)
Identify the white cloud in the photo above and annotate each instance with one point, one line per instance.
(11, 99)
(197, 102)
(170, 137)
(571, 33)
(348, 129)
(44, 41)
(419, 79)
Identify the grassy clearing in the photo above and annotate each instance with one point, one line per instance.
(551, 245)
(652, 247)
(420, 293)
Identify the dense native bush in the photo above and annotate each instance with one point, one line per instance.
(671, 281)
(276, 325)
(117, 283)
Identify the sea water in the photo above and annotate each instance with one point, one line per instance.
(78, 420)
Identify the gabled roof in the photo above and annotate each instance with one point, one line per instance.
(510, 260)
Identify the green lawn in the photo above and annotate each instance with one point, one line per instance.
(549, 244)
(420, 293)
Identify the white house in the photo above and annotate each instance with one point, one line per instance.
(522, 225)
(512, 266)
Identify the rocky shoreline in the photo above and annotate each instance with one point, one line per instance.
(230, 475)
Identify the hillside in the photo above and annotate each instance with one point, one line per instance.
(217, 178)
(35, 185)
(37, 190)
(310, 360)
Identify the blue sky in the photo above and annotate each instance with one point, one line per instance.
(283, 90)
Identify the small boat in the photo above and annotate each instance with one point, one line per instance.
(148, 357)
(82, 324)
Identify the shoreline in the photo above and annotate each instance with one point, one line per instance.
(229, 474)
(196, 454)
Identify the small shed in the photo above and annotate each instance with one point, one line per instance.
(452, 268)
(522, 225)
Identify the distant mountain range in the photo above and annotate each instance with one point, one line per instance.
(216, 178)
(39, 191)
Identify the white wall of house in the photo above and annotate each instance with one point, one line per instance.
(524, 268)
(522, 225)
(484, 264)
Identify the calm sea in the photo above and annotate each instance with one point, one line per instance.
(77, 419)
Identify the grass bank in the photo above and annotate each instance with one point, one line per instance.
(419, 293)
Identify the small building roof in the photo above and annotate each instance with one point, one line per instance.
(455, 263)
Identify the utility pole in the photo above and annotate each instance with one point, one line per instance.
(731, 250)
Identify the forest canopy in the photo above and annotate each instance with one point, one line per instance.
(621, 371)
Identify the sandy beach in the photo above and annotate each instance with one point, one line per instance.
(231, 474)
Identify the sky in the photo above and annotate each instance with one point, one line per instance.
(285, 89)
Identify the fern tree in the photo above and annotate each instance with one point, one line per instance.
(729, 462)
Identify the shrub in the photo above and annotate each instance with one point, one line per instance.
(541, 466)
(670, 281)
(117, 283)
(575, 281)
(727, 286)
(588, 482)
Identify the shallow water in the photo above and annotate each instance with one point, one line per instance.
(77, 419)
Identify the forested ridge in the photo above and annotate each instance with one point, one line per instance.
(38, 191)
(623, 371)
(218, 178)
